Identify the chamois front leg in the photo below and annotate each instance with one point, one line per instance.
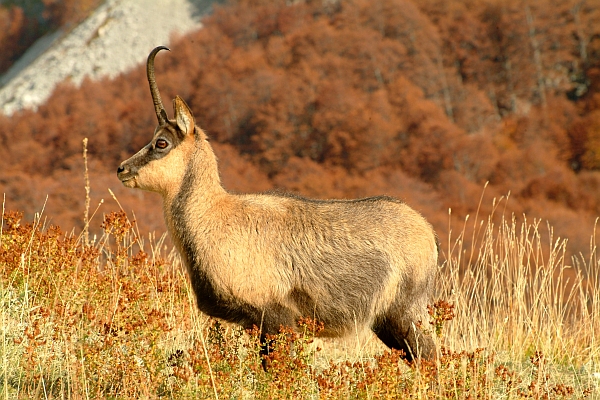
(273, 320)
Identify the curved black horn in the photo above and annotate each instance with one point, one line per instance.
(161, 114)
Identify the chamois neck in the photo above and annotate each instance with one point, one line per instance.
(200, 190)
(200, 184)
(203, 172)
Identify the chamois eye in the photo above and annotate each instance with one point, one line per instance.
(161, 144)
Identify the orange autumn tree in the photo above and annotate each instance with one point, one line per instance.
(423, 100)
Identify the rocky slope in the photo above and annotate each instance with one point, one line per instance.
(115, 38)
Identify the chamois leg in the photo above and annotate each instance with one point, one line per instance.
(398, 330)
(273, 319)
(265, 350)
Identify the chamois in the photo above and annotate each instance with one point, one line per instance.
(268, 259)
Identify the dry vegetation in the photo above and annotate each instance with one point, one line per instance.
(116, 319)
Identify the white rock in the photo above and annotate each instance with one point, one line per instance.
(114, 39)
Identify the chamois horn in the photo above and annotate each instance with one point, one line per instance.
(161, 114)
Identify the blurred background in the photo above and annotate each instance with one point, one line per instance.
(425, 100)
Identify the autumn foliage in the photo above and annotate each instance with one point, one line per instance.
(425, 100)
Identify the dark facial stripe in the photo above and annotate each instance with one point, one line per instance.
(167, 132)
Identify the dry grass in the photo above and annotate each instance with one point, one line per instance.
(115, 318)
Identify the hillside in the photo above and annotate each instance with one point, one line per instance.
(424, 100)
(114, 38)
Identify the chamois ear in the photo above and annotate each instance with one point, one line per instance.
(183, 116)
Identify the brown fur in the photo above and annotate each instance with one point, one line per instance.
(269, 259)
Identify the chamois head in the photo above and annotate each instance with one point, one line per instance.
(161, 164)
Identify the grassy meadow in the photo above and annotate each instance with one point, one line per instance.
(114, 317)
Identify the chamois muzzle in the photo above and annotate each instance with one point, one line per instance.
(127, 174)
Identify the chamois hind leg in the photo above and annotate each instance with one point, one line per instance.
(399, 329)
